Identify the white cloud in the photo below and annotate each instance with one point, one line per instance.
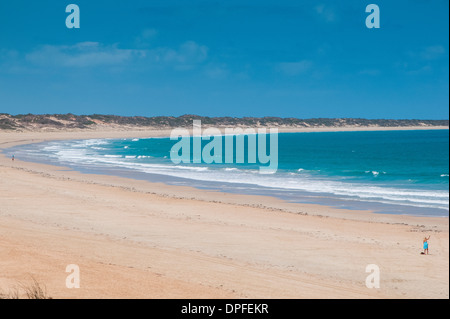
(372, 72)
(432, 52)
(148, 33)
(145, 38)
(423, 60)
(8, 54)
(10, 61)
(421, 70)
(215, 71)
(186, 57)
(429, 53)
(320, 8)
(92, 54)
(326, 12)
(294, 68)
(189, 52)
(83, 54)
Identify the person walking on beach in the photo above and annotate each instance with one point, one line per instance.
(425, 245)
(12, 158)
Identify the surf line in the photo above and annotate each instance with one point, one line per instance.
(216, 152)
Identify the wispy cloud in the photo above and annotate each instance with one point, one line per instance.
(294, 68)
(145, 38)
(188, 53)
(216, 71)
(429, 53)
(432, 52)
(371, 72)
(95, 54)
(423, 60)
(326, 12)
(8, 54)
(81, 55)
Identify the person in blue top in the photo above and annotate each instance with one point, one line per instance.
(425, 245)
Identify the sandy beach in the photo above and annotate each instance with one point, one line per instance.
(136, 239)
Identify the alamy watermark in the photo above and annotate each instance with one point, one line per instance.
(373, 19)
(222, 149)
(73, 19)
(73, 280)
(373, 279)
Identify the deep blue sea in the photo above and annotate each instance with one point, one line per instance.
(397, 172)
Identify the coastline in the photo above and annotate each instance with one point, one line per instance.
(14, 138)
(222, 184)
(252, 237)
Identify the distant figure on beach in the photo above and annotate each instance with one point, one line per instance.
(425, 245)
(12, 158)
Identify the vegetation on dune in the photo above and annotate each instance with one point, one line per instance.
(72, 121)
(31, 291)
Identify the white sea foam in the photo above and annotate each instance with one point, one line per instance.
(436, 199)
(375, 173)
(93, 142)
(84, 153)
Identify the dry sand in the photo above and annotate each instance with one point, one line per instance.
(135, 239)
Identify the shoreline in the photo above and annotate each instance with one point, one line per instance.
(201, 211)
(29, 137)
(14, 138)
(332, 202)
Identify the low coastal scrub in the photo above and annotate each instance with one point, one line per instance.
(31, 291)
(72, 121)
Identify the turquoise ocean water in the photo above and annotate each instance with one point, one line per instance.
(398, 172)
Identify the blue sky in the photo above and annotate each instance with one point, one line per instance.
(226, 58)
